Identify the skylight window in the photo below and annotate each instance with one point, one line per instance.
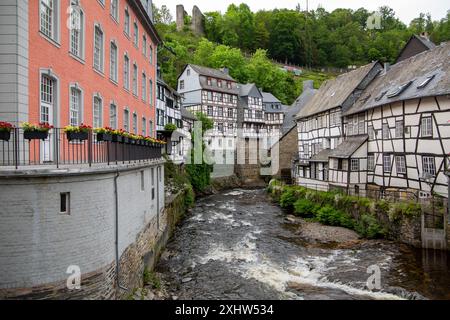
(399, 90)
(425, 82)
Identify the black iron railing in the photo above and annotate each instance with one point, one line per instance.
(58, 148)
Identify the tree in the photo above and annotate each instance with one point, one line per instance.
(162, 15)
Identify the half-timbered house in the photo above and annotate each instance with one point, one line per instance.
(319, 123)
(405, 112)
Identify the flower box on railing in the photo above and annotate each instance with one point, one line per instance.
(35, 135)
(117, 138)
(126, 140)
(104, 137)
(81, 136)
(5, 135)
(132, 141)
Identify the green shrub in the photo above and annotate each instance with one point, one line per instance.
(170, 127)
(305, 207)
(330, 216)
(368, 227)
(150, 278)
(288, 198)
(402, 210)
(189, 197)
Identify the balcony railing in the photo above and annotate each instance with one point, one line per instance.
(56, 149)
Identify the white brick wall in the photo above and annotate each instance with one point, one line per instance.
(37, 243)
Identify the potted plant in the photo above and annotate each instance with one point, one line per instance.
(170, 127)
(117, 136)
(104, 134)
(5, 130)
(125, 137)
(39, 131)
(80, 132)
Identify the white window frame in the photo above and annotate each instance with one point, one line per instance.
(113, 120)
(144, 127)
(126, 119)
(97, 97)
(136, 34)
(126, 71)
(52, 33)
(144, 86)
(429, 165)
(386, 131)
(151, 91)
(144, 45)
(400, 164)
(135, 80)
(135, 123)
(126, 22)
(399, 129)
(114, 67)
(101, 55)
(80, 26)
(426, 127)
(115, 14)
(371, 162)
(72, 88)
(387, 157)
(354, 165)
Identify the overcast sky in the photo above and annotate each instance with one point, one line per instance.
(406, 10)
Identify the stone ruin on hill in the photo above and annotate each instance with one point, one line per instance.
(197, 22)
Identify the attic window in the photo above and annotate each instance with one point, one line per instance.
(332, 95)
(399, 90)
(365, 99)
(426, 82)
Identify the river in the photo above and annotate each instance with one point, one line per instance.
(238, 245)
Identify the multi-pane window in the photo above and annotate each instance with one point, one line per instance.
(399, 129)
(97, 113)
(135, 79)
(135, 120)
(144, 87)
(387, 163)
(76, 31)
(386, 131)
(98, 49)
(126, 72)
(210, 111)
(208, 81)
(361, 124)
(230, 113)
(144, 127)
(371, 162)
(400, 164)
(47, 18)
(151, 91)
(354, 165)
(115, 9)
(160, 117)
(181, 84)
(113, 62)
(426, 127)
(127, 22)
(210, 96)
(151, 128)
(136, 34)
(371, 133)
(151, 54)
(429, 166)
(219, 111)
(75, 106)
(144, 45)
(126, 120)
(113, 116)
(47, 85)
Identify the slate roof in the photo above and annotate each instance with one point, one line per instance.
(185, 113)
(244, 89)
(322, 156)
(290, 113)
(434, 62)
(210, 72)
(269, 98)
(348, 147)
(334, 92)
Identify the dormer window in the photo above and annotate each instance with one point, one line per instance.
(228, 84)
(425, 82)
(399, 90)
(219, 83)
(208, 81)
(380, 96)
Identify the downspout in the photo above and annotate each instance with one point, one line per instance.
(116, 199)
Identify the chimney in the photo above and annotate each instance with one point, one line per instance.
(425, 35)
(225, 70)
(308, 85)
